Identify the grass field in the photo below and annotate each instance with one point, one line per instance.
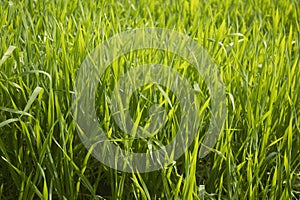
(255, 45)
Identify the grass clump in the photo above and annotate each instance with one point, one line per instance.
(255, 46)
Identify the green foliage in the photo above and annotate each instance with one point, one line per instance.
(255, 45)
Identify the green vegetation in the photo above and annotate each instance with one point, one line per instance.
(255, 45)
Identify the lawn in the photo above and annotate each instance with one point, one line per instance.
(254, 46)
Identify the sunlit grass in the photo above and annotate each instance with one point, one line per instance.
(255, 46)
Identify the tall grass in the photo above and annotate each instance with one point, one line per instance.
(255, 46)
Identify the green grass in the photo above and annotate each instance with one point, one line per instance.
(255, 45)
